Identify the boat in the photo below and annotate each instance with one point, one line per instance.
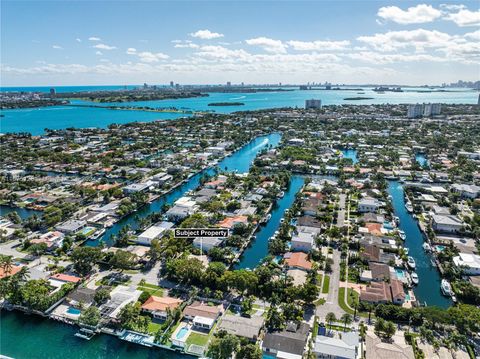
(409, 207)
(411, 262)
(406, 250)
(397, 220)
(281, 194)
(427, 247)
(454, 298)
(414, 277)
(446, 288)
(98, 234)
(402, 235)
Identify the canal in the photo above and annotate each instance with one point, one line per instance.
(24, 213)
(253, 255)
(240, 161)
(428, 289)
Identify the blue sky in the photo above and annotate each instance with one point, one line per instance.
(131, 42)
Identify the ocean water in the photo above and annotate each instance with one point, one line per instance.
(58, 117)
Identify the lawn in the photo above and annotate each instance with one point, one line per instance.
(197, 339)
(341, 300)
(151, 289)
(326, 284)
(153, 328)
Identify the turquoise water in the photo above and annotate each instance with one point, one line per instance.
(73, 311)
(351, 154)
(253, 255)
(32, 337)
(58, 117)
(421, 159)
(182, 332)
(240, 161)
(428, 289)
(400, 273)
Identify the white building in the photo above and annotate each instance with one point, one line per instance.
(150, 234)
(302, 242)
(333, 348)
(432, 109)
(415, 111)
(469, 262)
(466, 190)
(368, 205)
(446, 223)
(313, 104)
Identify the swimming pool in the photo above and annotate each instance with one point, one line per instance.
(87, 231)
(440, 248)
(73, 311)
(181, 333)
(400, 273)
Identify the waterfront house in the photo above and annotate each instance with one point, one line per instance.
(345, 347)
(230, 222)
(81, 297)
(288, 343)
(446, 223)
(368, 205)
(243, 327)
(120, 296)
(302, 242)
(52, 239)
(380, 271)
(71, 226)
(11, 271)
(377, 292)
(136, 187)
(159, 307)
(297, 260)
(203, 316)
(398, 293)
(206, 243)
(154, 232)
(469, 263)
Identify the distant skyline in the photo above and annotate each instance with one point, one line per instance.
(55, 43)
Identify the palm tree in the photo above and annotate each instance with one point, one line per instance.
(330, 317)
(6, 263)
(346, 319)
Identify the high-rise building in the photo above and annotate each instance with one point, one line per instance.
(171, 84)
(229, 84)
(432, 109)
(415, 111)
(53, 92)
(313, 104)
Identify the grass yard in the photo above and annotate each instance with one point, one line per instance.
(326, 284)
(197, 339)
(151, 289)
(153, 328)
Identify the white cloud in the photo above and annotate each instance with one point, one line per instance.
(99, 53)
(206, 34)
(465, 17)
(78, 40)
(473, 35)
(57, 47)
(94, 38)
(318, 45)
(269, 45)
(380, 58)
(150, 57)
(419, 38)
(413, 15)
(131, 51)
(188, 45)
(104, 47)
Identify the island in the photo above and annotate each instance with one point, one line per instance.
(226, 104)
(358, 98)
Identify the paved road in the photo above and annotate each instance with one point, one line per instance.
(341, 210)
(8, 249)
(331, 304)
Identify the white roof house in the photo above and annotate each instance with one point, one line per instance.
(446, 223)
(150, 234)
(347, 347)
(470, 263)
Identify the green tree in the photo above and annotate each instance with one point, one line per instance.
(223, 346)
(90, 316)
(330, 318)
(249, 351)
(84, 258)
(346, 319)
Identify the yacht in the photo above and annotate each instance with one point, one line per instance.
(411, 262)
(414, 277)
(409, 207)
(446, 288)
(281, 194)
(402, 235)
(427, 247)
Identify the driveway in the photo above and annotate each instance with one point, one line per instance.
(331, 304)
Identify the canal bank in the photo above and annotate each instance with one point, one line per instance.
(240, 161)
(428, 289)
(253, 255)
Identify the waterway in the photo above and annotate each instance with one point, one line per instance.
(58, 117)
(351, 154)
(428, 289)
(258, 250)
(22, 212)
(33, 337)
(240, 161)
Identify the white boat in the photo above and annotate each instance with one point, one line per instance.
(397, 220)
(402, 235)
(98, 234)
(411, 262)
(281, 194)
(446, 288)
(427, 247)
(409, 207)
(406, 250)
(414, 277)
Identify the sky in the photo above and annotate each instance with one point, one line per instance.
(65, 42)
